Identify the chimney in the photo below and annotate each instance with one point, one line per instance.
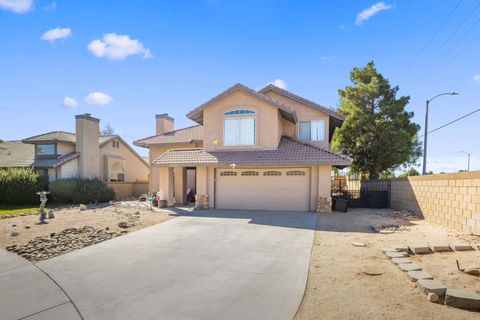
(164, 123)
(86, 133)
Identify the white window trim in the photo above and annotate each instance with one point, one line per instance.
(312, 120)
(239, 140)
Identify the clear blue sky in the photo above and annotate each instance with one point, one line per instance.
(188, 51)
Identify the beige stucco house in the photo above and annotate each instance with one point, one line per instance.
(85, 154)
(265, 150)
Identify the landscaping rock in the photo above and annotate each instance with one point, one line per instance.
(51, 215)
(462, 299)
(401, 248)
(396, 254)
(401, 260)
(45, 247)
(359, 244)
(414, 276)
(27, 227)
(386, 231)
(82, 207)
(409, 267)
(434, 286)
(460, 247)
(123, 224)
(419, 249)
(440, 248)
(432, 297)
(372, 270)
(14, 234)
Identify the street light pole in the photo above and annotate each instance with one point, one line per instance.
(468, 157)
(425, 136)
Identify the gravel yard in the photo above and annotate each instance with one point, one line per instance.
(338, 289)
(72, 229)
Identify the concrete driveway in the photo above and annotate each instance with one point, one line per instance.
(207, 265)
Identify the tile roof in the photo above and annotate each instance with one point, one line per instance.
(302, 100)
(289, 152)
(197, 114)
(185, 135)
(16, 154)
(55, 162)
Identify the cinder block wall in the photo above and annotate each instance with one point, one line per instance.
(452, 199)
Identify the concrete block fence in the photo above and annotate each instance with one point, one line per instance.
(451, 199)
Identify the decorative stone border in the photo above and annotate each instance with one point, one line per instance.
(436, 291)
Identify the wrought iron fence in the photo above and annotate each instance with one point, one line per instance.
(362, 193)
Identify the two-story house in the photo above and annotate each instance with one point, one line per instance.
(261, 150)
(85, 154)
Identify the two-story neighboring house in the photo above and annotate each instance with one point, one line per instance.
(85, 154)
(262, 150)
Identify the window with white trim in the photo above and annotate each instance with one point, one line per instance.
(313, 130)
(239, 132)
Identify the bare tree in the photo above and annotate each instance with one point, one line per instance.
(107, 130)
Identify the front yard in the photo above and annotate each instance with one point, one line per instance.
(71, 229)
(338, 289)
(12, 209)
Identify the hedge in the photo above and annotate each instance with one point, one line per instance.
(20, 185)
(76, 190)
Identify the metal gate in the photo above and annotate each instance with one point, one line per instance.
(362, 193)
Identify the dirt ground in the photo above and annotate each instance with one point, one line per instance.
(99, 218)
(337, 289)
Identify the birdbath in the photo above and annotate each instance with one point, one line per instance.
(43, 200)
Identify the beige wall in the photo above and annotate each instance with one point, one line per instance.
(88, 146)
(65, 148)
(125, 190)
(68, 170)
(304, 113)
(452, 200)
(134, 168)
(267, 124)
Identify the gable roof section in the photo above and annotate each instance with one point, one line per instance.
(179, 136)
(197, 114)
(303, 101)
(16, 154)
(290, 152)
(52, 136)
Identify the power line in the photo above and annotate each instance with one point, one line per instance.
(426, 66)
(449, 123)
(434, 35)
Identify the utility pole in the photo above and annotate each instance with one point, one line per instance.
(468, 157)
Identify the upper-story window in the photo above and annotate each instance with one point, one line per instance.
(239, 112)
(239, 131)
(312, 130)
(45, 150)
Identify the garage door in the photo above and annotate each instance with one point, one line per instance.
(263, 189)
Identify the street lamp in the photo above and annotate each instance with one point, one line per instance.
(468, 154)
(453, 93)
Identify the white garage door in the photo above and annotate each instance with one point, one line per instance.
(263, 189)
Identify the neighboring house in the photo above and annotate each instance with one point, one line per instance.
(266, 150)
(85, 154)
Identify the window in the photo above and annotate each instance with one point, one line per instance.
(113, 144)
(295, 173)
(45, 150)
(228, 173)
(272, 173)
(121, 177)
(239, 132)
(249, 173)
(117, 144)
(239, 112)
(312, 130)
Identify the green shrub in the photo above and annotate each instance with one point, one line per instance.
(20, 185)
(76, 190)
